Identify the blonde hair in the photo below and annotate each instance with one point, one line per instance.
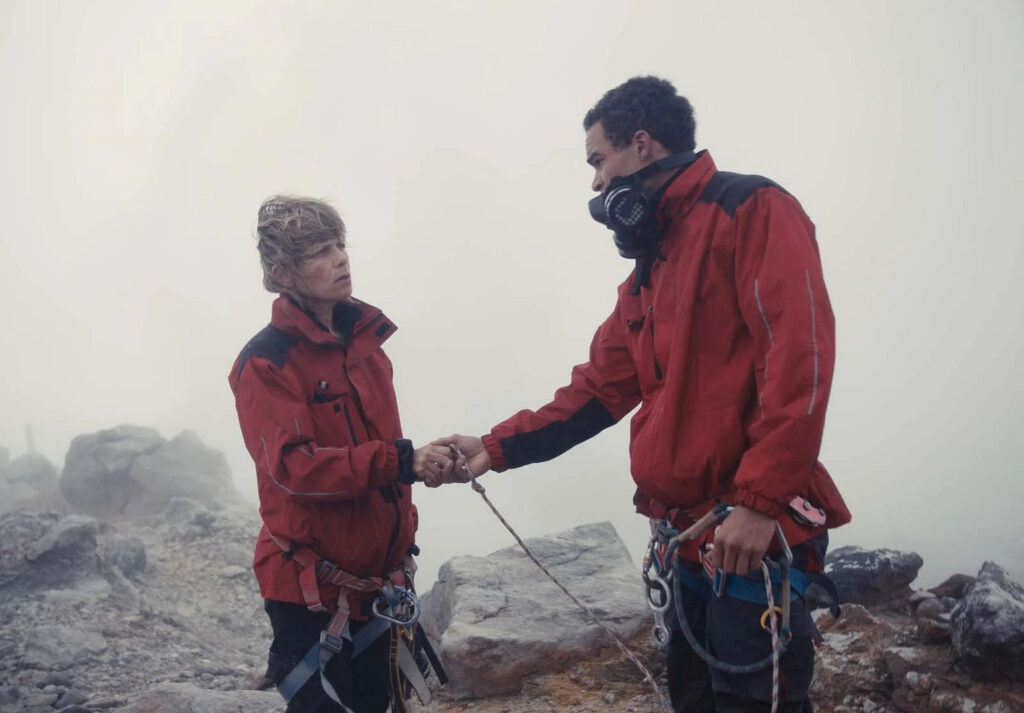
(288, 229)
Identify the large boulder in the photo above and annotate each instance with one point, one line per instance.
(130, 471)
(872, 577)
(27, 480)
(988, 626)
(499, 619)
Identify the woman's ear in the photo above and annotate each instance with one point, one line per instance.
(282, 276)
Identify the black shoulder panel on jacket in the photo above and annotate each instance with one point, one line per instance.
(558, 437)
(270, 343)
(731, 190)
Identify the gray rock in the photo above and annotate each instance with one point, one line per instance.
(41, 550)
(920, 595)
(33, 472)
(871, 576)
(499, 620)
(933, 609)
(26, 482)
(185, 511)
(129, 471)
(988, 626)
(60, 647)
(187, 698)
(70, 698)
(56, 678)
(71, 538)
(126, 553)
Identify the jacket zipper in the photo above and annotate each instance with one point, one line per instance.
(385, 490)
(351, 427)
(657, 366)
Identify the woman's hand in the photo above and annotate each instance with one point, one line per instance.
(432, 464)
(475, 457)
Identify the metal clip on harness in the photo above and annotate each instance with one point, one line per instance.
(713, 517)
(393, 602)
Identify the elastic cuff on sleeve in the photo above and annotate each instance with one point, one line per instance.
(403, 446)
(498, 462)
(388, 473)
(752, 500)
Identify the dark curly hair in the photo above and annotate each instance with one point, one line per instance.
(648, 103)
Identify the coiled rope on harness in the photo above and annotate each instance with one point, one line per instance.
(773, 614)
(586, 610)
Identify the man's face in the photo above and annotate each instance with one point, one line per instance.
(608, 161)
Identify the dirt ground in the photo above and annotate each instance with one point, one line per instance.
(610, 683)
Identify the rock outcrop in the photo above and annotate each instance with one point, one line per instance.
(988, 626)
(499, 620)
(130, 471)
(93, 614)
(26, 482)
(872, 577)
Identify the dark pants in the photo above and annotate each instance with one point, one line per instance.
(361, 683)
(730, 630)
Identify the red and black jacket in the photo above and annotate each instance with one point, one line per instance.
(728, 351)
(320, 420)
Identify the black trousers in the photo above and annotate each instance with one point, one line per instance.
(361, 683)
(730, 630)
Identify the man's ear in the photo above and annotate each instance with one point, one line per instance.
(643, 145)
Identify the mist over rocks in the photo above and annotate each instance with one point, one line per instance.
(30, 480)
(130, 471)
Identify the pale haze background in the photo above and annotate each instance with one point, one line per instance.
(138, 139)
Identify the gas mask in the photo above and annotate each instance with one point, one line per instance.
(629, 212)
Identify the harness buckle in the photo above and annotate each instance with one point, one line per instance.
(332, 643)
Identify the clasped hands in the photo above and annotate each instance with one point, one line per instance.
(741, 541)
(438, 462)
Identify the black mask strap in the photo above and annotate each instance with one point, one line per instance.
(645, 263)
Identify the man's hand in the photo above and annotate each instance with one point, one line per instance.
(742, 540)
(476, 457)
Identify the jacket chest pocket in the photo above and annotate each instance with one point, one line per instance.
(641, 332)
(335, 416)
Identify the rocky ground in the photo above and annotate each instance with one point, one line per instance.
(157, 611)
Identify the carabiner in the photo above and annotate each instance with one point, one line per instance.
(386, 610)
(655, 582)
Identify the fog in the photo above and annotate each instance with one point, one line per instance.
(138, 140)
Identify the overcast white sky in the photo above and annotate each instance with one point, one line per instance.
(138, 139)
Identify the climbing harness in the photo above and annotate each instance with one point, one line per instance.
(395, 611)
(664, 575)
(457, 454)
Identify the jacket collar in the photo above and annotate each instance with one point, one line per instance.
(684, 192)
(370, 328)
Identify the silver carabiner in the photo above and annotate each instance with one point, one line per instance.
(659, 632)
(656, 582)
(388, 612)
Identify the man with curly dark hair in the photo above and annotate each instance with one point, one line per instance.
(724, 337)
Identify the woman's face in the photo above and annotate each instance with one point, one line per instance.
(324, 276)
